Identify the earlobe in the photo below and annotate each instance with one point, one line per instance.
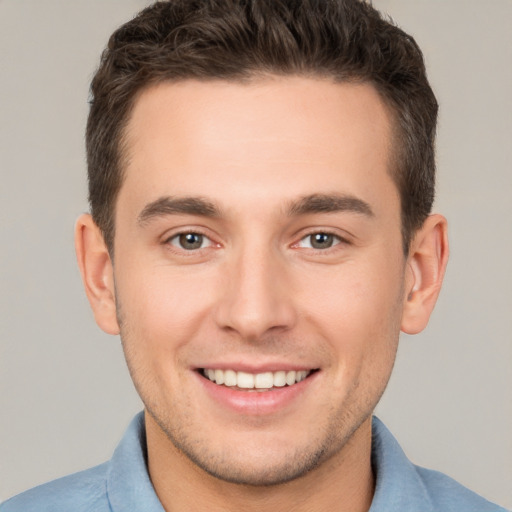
(97, 273)
(426, 265)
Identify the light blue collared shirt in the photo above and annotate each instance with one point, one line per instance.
(123, 484)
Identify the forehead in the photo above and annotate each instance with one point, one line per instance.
(261, 140)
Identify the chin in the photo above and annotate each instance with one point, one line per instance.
(256, 459)
(256, 470)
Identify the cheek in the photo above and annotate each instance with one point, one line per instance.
(159, 313)
(162, 309)
(353, 291)
(357, 308)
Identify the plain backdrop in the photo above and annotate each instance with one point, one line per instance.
(65, 395)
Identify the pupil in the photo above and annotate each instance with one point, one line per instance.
(191, 241)
(321, 240)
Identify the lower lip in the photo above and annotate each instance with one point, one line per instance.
(257, 403)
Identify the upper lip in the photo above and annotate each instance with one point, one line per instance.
(256, 368)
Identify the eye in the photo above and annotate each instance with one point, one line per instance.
(319, 241)
(190, 241)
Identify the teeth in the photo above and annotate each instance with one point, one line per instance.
(219, 376)
(279, 379)
(266, 380)
(300, 376)
(243, 380)
(230, 378)
(290, 378)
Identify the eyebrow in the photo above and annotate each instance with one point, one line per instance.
(178, 205)
(314, 203)
(330, 203)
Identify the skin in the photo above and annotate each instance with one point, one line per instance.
(256, 293)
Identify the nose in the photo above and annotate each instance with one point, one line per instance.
(257, 296)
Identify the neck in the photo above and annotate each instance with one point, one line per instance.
(343, 483)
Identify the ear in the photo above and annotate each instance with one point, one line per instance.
(426, 265)
(97, 273)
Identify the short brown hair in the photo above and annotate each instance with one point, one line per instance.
(344, 40)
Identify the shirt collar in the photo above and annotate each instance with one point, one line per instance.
(128, 485)
(398, 484)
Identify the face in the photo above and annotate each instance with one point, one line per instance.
(259, 270)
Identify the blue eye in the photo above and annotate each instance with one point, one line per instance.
(190, 241)
(319, 241)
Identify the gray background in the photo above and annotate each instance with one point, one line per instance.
(65, 396)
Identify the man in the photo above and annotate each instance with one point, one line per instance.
(261, 179)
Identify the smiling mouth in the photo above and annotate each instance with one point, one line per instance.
(265, 381)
